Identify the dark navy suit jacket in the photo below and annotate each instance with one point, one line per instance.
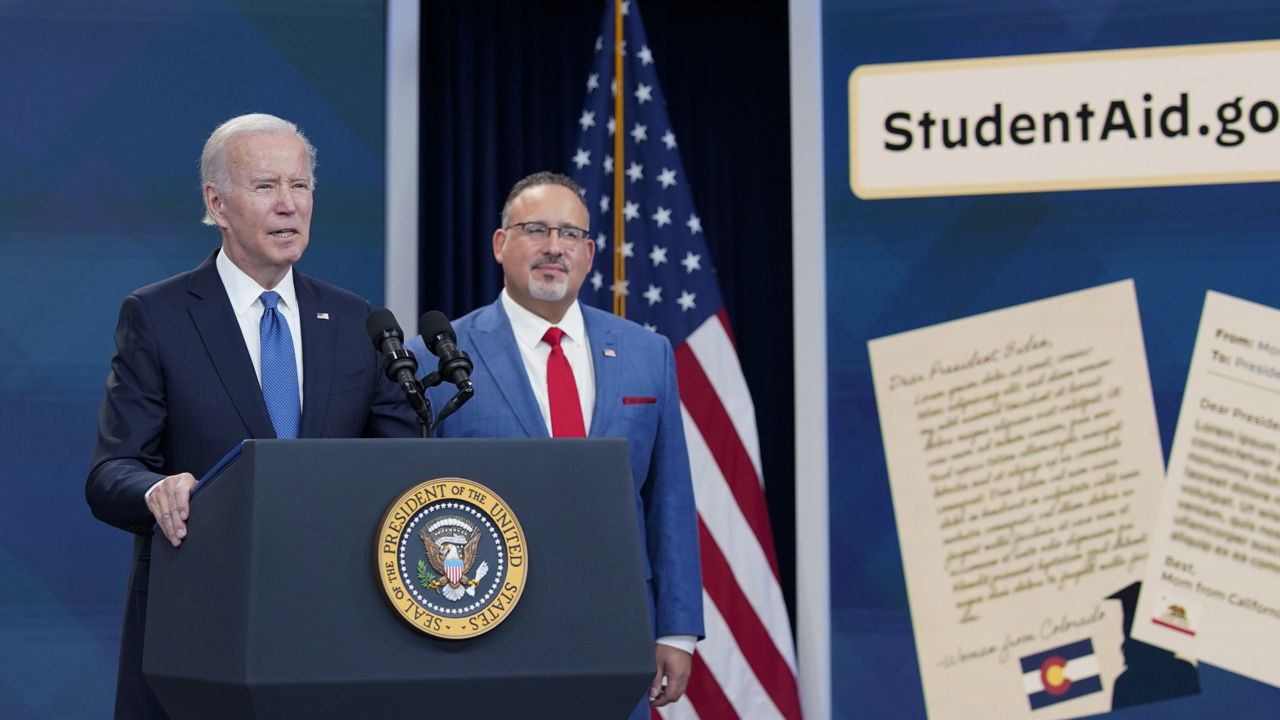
(636, 399)
(182, 392)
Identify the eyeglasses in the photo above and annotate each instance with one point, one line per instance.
(541, 231)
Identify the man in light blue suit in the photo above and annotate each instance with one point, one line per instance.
(545, 366)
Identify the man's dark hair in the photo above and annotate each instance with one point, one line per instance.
(539, 178)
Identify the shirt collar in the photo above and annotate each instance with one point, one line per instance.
(530, 327)
(243, 290)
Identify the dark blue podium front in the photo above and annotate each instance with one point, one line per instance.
(273, 607)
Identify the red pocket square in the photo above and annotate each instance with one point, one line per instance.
(639, 400)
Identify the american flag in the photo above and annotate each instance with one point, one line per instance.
(745, 668)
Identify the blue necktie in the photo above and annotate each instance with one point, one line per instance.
(279, 370)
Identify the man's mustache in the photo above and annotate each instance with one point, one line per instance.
(557, 260)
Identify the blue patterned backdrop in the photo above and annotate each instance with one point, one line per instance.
(104, 107)
(895, 265)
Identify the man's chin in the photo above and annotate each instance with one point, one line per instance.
(290, 253)
(549, 292)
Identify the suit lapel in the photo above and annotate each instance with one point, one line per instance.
(607, 370)
(214, 319)
(496, 348)
(319, 343)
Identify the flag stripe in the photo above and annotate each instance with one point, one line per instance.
(770, 668)
(713, 347)
(726, 664)
(698, 396)
(724, 520)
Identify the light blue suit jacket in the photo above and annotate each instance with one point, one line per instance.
(636, 399)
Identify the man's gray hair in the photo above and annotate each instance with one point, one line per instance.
(213, 161)
(534, 180)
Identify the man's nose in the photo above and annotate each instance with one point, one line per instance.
(557, 243)
(286, 204)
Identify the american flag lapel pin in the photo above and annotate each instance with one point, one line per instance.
(610, 353)
(322, 316)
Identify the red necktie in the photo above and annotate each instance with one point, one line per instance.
(562, 391)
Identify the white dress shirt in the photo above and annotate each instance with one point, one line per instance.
(529, 329)
(244, 293)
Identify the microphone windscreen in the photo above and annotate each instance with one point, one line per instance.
(433, 324)
(380, 324)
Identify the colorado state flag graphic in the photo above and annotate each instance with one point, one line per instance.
(1061, 674)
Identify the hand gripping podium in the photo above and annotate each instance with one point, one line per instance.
(273, 607)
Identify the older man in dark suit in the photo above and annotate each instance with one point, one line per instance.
(240, 347)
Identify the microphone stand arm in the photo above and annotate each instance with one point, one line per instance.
(421, 404)
(465, 391)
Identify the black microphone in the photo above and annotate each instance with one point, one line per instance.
(455, 365)
(398, 362)
(437, 333)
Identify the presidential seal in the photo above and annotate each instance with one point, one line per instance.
(451, 558)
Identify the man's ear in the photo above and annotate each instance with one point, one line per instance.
(591, 250)
(499, 243)
(213, 203)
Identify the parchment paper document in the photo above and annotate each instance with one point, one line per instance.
(1024, 462)
(1213, 582)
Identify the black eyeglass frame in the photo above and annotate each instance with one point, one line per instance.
(586, 234)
